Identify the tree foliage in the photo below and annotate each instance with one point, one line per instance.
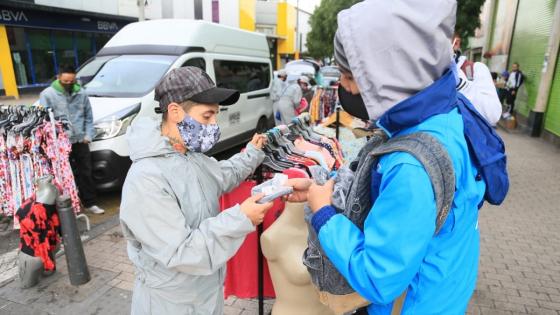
(323, 27)
(324, 24)
(468, 18)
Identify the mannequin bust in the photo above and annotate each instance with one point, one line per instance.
(31, 268)
(46, 192)
(283, 244)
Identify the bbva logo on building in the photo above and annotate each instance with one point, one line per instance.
(13, 16)
(107, 26)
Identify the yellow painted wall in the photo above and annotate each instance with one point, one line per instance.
(6, 65)
(247, 13)
(286, 28)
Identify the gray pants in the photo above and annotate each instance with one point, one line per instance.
(287, 111)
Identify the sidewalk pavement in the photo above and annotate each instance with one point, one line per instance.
(25, 99)
(108, 292)
(519, 266)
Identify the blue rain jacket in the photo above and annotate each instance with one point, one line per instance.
(397, 249)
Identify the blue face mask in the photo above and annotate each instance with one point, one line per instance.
(198, 137)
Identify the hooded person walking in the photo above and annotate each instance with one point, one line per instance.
(177, 239)
(290, 99)
(397, 70)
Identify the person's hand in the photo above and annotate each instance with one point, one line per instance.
(320, 196)
(300, 186)
(86, 141)
(259, 141)
(254, 211)
(512, 92)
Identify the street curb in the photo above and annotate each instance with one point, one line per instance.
(95, 232)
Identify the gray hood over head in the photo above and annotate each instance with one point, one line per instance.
(145, 140)
(395, 48)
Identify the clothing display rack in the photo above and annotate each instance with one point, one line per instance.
(323, 104)
(293, 147)
(32, 144)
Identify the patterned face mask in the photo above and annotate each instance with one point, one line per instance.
(198, 137)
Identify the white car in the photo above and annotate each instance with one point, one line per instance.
(121, 78)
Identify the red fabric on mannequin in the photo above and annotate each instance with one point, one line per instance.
(242, 269)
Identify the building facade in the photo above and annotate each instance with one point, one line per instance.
(37, 36)
(526, 32)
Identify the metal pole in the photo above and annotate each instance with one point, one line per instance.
(141, 11)
(73, 250)
(512, 33)
(260, 270)
(297, 30)
(198, 14)
(260, 257)
(337, 122)
(536, 117)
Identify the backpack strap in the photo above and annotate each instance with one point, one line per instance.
(437, 163)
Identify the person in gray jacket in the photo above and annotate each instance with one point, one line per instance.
(70, 102)
(177, 238)
(290, 100)
(278, 86)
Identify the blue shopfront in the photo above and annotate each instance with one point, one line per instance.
(42, 40)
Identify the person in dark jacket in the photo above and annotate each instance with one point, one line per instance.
(513, 84)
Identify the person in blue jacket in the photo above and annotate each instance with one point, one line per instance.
(396, 63)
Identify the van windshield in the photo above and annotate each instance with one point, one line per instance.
(123, 76)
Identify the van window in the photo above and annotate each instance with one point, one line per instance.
(124, 76)
(241, 75)
(196, 62)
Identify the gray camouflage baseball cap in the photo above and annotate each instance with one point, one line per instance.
(191, 83)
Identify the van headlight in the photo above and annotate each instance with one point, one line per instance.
(116, 124)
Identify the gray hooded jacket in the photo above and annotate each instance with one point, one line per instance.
(176, 236)
(396, 50)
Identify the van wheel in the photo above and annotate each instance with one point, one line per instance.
(262, 125)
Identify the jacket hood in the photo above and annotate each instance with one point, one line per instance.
(396, 48)
(58, 87)
(145, 140)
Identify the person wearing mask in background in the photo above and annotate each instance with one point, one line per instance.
(69, 101)
(501, 85)
(176, 236)
(397, 253)
(514, 82)
(290, 100)
(278, 86)
(480, 89)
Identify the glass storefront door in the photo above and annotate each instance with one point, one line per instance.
(37, 53)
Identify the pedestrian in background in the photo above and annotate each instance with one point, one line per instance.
(278, 86)
(514, 82)
(290, 100)
(68, 100)
(501, 86)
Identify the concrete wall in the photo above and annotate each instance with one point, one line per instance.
(267, 13)
(155, 9)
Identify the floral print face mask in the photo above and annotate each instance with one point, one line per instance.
(198, 137)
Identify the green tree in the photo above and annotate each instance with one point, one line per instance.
(323, 26)
(468, 18)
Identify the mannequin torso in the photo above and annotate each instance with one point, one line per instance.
(283, 244)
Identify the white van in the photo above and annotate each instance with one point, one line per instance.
(120, 82)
